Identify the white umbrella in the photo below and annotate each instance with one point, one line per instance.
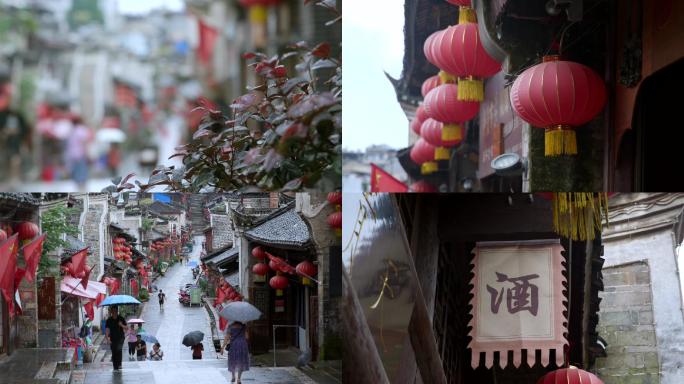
(241, 311)
(110, 135)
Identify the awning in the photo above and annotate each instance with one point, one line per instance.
(72, 286)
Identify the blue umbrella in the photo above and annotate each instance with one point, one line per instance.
(119, 300)
(192, 263)
(146, 337)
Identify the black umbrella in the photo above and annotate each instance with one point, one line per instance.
(193, 338)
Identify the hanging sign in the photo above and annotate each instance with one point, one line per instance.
(518, 302)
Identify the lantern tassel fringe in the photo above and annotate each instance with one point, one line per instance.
(452, 132)
(446, 78)
(579, 215)
(466, 15)
(470, 89)
(428, 167)
(442, 153)
(560, 142)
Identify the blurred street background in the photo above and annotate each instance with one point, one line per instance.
(92, 89)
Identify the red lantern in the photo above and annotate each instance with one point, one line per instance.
(335, 221)
(458, 51)
(415, 125)
(462, 3)
(273, 265)
(306, 269)
(259, 253)
(260, 269)
(422, 186)
(570, 375)
(431, 83)
(27, 230)
(442, 104)
(3, 235)
(278, 283)
(423, 153)
(558, 95)
(435, 133)
(335, 198)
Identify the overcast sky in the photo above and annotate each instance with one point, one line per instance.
(373, 42)
(144, 6)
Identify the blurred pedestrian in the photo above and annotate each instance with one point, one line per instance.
(114, 159)
(235, 341)
(197, 351)
(161, 296)
(140, 348)
(131, 339)
(156, 354)
(15, 137)
(76, 156)
(115, 326)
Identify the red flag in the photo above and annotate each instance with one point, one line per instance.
(100, 298)
(86, 277)
(90, 311)
(134, 287)
(222, 323)
(78, 259)
(382, 181)
(207, 39)
(114, 288)
(8, 265)
(32, 253)
(18, 275)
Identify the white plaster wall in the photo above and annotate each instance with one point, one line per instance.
(658, 249)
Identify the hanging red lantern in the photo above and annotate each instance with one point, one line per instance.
(458, 51)
(431, 83)
(260, 269)
(422, 186)
(335, 221)
(335, 198)
(27, 230)
(434, 133)
(558, 95)
(259, 253)
(462, 3)
(274, 266)
(442, 104)
(306, 269)
(423, 154)
(279, 283)
(570, 375)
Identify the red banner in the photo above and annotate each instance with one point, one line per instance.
(207, 39)
(8, 265)
(382, 181)
(32, 253)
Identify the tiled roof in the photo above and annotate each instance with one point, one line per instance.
(74, 246)
(20, 198)
(232, 278)
(284, 230)
(163, 208)
(223, 258)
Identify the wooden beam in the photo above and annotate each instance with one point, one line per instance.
(362, 363)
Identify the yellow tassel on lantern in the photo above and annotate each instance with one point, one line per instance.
(441, 153)
(578, 215)
(466, 15)
(428, 167)
(306, 281)
(470, 89)
(279, 292)
(560, 140)
(258, 14)
(446, 78)
(452, 132)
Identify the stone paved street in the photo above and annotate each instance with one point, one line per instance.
(169, 326)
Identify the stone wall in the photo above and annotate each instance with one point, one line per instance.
(626, 323)
(222, 233)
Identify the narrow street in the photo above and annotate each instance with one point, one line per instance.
(169, 326)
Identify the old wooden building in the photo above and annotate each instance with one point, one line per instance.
(409, 288)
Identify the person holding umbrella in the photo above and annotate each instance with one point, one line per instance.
(194, 341)
(115, 332)
(238, 351)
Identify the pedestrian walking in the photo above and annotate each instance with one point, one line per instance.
(76, 155)
(140, 348)
(235, 341)
(131, 339)
(162, 297)
(197, 351)
(156, 354)
(115, 328)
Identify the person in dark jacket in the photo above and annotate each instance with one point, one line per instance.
(115, 331)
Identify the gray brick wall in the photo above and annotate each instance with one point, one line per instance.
(91, 235)
(626, 323)
(221, 231)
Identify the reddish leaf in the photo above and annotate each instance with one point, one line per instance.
(322, 50)
(248, 55)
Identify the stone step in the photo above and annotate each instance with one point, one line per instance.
(63, 376)
(78, 377)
